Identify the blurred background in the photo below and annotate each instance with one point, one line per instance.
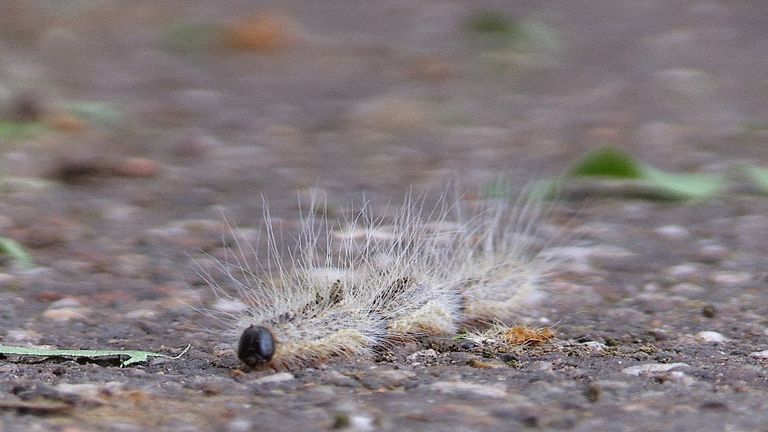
(130, 124)
(243, 97)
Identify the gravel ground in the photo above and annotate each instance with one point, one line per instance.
(158, 116)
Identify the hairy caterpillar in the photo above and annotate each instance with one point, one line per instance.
(345, 288)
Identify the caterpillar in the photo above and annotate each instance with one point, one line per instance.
(345, 288)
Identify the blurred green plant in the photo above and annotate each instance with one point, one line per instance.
(13, 130)
(528, 35)
(16, 252)
(757, 176)
(611, 163)
(606, 161)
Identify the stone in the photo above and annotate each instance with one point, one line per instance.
(649, 368)
(465, 388)
(712, 337)
(673, 232)
(275, 378)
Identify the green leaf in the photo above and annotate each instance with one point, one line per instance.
(16, 252)
(133, 356)
(684, 185)
(529, 35)
(607, 161)
(758, 176)
(611, 163)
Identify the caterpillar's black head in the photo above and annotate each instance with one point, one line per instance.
(256, 346)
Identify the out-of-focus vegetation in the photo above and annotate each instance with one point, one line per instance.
(515, 41)
(13, 130)
(612, 166)
(758, 177)
(12, 249)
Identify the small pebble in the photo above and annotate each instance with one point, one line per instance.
(6, 279)
(262, 33)
(673, 232)
(711, 337)
(239, 424)
(481, 390)
(141, 314)
(138, 167)
(651, 368)
(391, 113)
(651, 287)
(22, 336)
(432, 69)
(730, 278)
(338, 379)
(65, 314)
(583, 254)
(361, 423)
(66, 302)
(683, 271)
(93, 393)
(195, 145)
(229, 305)
(397, 374)
(40, 237)
(687, 289)
(682, 377)
(275, 378)
(594, 345)
(6, 222)
(713, 252)
(687, 82)
(130, 265)
(116, 212)
(67, 123)
(422, 356)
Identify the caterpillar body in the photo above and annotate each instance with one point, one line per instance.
(346, 288)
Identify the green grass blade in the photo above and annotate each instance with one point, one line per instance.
(16, 252)
(684, 185)
(757, 176)
(133, 356)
